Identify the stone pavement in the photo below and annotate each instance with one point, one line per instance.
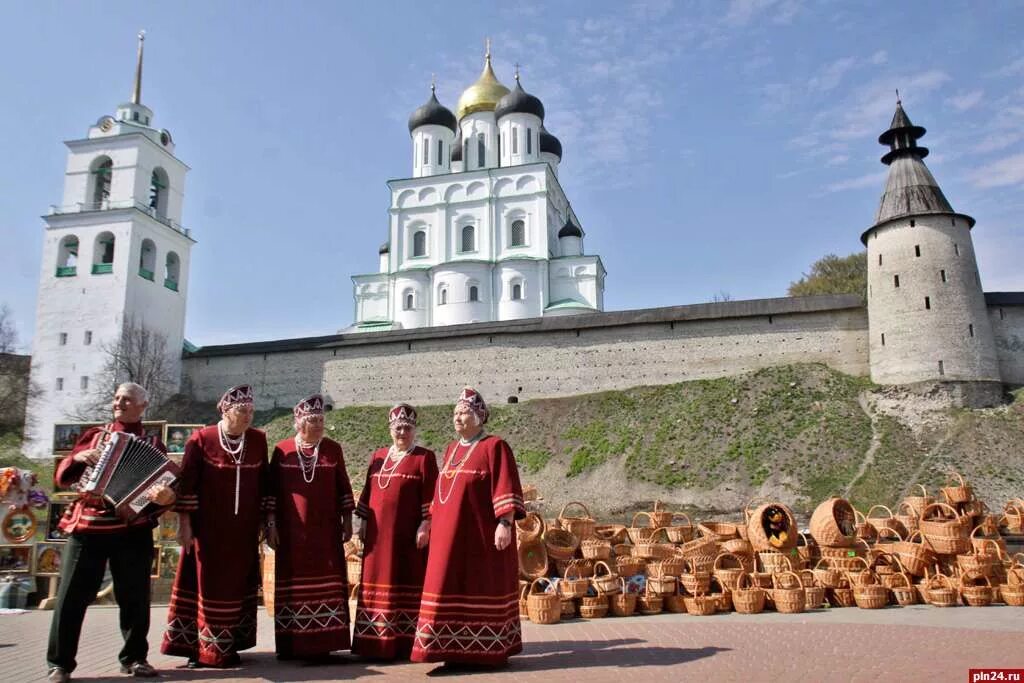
(917, 643)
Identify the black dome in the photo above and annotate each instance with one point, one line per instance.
(519, 102)
(384, 248)
(549, 143)
(432, 113)
(457, 148)
(570, 229)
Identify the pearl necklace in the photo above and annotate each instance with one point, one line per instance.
(311, 459)
(235, 448)
(386, 474)
(447, 473)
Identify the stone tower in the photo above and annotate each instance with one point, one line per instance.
(114, 252)
(927, 317)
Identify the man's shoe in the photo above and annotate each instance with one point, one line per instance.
(141, 669)
(57, 675)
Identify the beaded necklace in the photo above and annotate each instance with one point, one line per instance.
(452, 469)
(386, 474)
(235, 449)
(307, 463)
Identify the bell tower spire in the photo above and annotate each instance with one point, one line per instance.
(137, 89)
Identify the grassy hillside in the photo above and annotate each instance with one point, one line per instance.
(798, 433)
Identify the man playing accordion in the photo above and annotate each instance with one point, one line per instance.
(96, 535)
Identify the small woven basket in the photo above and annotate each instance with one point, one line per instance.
(889, 521)
(728, 577)
(701, 605)
(789, 596)
(605, 580)
(530, 527)
(915, 557)
(560, 544)
(623, 603)
(533, 558)
(694, 581)
(630, 566)
(544, 607)
(659, 516)
(650, 602)
(580, 527)
(572, 585)
(945, 530)
(638, 534)
(957, 492)
(976, 589)
(596, 549)
(748, 598)
(828, 575)
(939, 591)
(719, 531)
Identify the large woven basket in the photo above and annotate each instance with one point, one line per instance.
(957, 492)
(748, 598)
(638, 534)
(833, 523)
(580, 527)
(530, 527)
(945, 530)
(915, 557)
(533, 558)
(623, 603)
(788, 595)
(763, 537)
(543, 607)
(560, 544)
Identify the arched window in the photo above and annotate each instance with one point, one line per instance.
(67, 256)
(529, 141)
(465, 151)
(440, 152)
(103, 170)
(408, 301)
(517, 291)
(158, 192)
(517, 234)
(419, 243)
(147, 259)
(515, 140)
(474, 293)
(442, 295)
(480, 150)
(426, 152)
(172, 271)
(103, 253)
(468, 242)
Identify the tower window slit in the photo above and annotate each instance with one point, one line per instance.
(1001, 315)
(480, 150)
(426, 152)
(913, 222)
(896, 281)
(440, 152)
(970, 330)
(879, 259)
(529, 141)
(956, 248)
(928, 303)
(917, 250)
(515, 141)
(942, 274)
(942, 369)
(883, 339)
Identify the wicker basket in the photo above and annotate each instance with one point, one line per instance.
(773, 562)
(656, 547)
(650, 602)
(680, 533)
(638, 534)
(844, 559)
(870, 595)
(560, 544)
(945, 530)
(613, 533)
(543, 607)
(938, 590)
(919, 503)
(353, 569)
(888, 537)
(748, 598)
(623, 603)
(814, 593)
(672, 566)
(739, 547)
(833, 523)
(759, 531)
(700, 605)
(807, 550)
(915, 557)
(957, 492)
(1013, 517)
(596, 549)
(594, 606)
(701, 546)
(572, 585)
(841, 597)
(828, 575)
(694, 581)
(676, 602)
(630, 566)
(524, 588)
(889, 521)
(719, 531)
(659, 516)
(533, 558)
(908, 517)
(584, 566)
(530, 527)
(976, 589)
(1012, 595)
(984, 544)
(664, 585)
(728, 577)
(864, 531)
(568, 608)
(605, 580)
(902, 589)
(580, 527)
(788, 596)
(985, 562)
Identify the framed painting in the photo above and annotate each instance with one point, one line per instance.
(154, 430)
(15, 559)
(175, 437)
(55, 511)
(66, 434)
(47, 559)
(166, 531)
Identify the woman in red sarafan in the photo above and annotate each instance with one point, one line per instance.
(469, 614)
(310, 520)
(212, 615)
(395, 512)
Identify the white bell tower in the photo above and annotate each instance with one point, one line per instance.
(114, 251)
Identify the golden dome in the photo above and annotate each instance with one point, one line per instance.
(482, 95)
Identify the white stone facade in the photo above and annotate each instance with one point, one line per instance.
(114, 251)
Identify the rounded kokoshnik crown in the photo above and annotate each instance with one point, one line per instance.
(483, 95)
(432, 113)
(549, 143)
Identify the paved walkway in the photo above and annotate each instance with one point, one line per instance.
(897, 644)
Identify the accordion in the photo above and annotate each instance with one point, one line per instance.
(127, 468)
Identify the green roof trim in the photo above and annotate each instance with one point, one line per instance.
(189, 347)
(374, 323)
(567, 303)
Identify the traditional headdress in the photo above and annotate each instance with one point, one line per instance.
(235, 396)
(311, 405)
(471, 398)
(402, 414)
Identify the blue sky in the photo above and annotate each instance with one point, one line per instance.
(709, 146)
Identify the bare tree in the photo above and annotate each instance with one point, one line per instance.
(8, 332)
(141, 356)
(16, 388)
(721, 296)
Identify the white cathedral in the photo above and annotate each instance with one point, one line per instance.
(482, 231)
